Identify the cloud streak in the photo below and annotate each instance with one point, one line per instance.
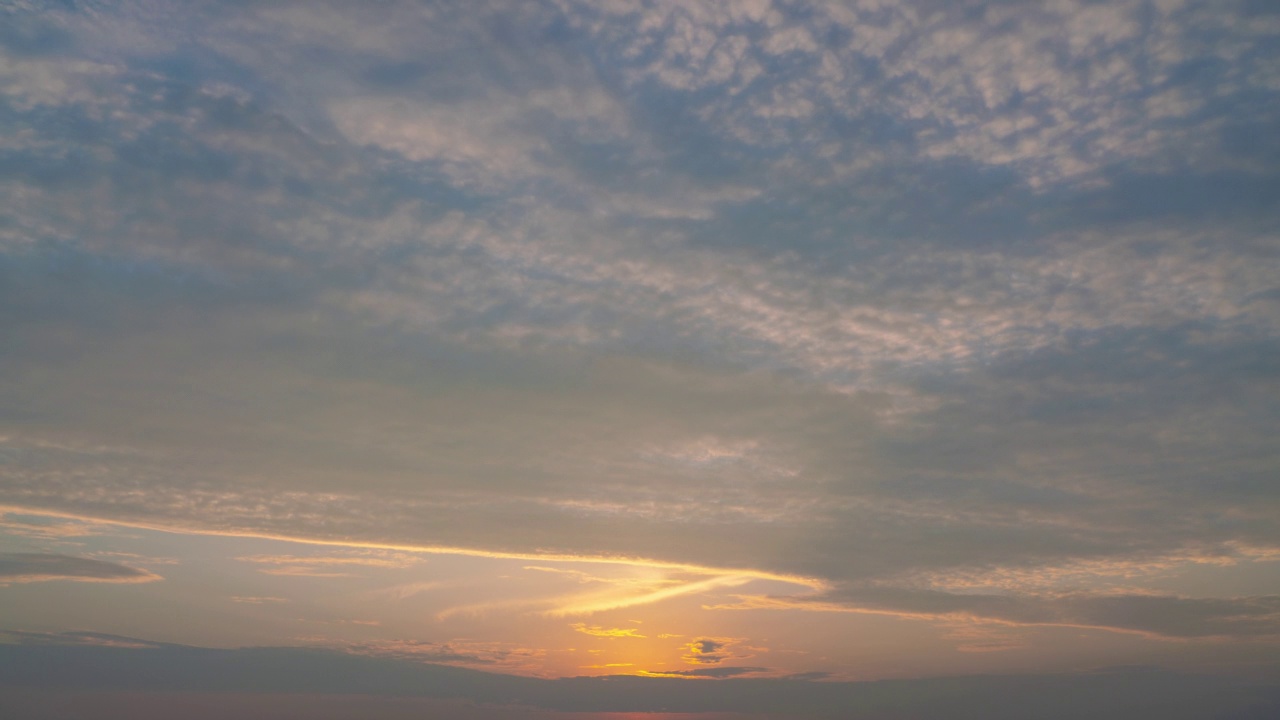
(44, 567)
(1160, 616)
(603, 632)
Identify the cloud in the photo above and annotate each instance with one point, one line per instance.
(382, 560)
(407, 590)
(46, 528)
(971, 308)
(76, 639)
(710, 650)
(302, 572)
(597, 631)
(714, 672)
(592, 603)
(504, 656)
(1163, 616)
(314, 566)
(42, 567)
(173, 670)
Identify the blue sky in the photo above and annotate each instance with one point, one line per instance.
(870, 339)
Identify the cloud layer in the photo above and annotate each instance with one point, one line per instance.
(160, 677)
(40, 567)
(961, 309)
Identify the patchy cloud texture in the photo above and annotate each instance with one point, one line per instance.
(962, 309)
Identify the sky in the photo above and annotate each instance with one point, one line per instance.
(742, 348)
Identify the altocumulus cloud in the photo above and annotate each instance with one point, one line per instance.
(940, 288)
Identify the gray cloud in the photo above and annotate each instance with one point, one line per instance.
(710, 651)
(705, 645)
(175, 670)
(725, 671)
(22, 637)
(40, 567)
(426, 652)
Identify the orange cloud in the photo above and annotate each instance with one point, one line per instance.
(597, 631)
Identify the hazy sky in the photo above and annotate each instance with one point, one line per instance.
(830, 341)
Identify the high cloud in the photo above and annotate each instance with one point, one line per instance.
(1164, 616)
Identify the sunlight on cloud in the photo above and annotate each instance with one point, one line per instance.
(44, 567)
(597, 631)
(862, 339)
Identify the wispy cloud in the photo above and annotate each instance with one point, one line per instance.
(258, 599)
(496, 655)
(713, 672)
(318, 566)
(603, 632)
(44, 567)
(587, 604)
(76, 638)
(1152, 615)
(46, 528)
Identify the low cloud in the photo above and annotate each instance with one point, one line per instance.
(22, 637)
(507, 657)
(41, 567)
(713, 672)
(301, 672)
(708, 650)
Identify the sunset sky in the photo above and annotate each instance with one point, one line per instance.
(748, 347)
